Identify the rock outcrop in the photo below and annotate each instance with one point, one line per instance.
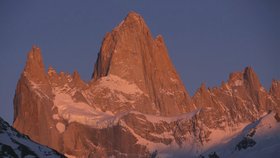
(275, 89)
(241, 99)
(33, 109)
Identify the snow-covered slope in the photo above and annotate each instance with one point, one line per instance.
(16, 145)
(259, 139)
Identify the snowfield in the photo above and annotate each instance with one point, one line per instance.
(81, 112)
(265, 132)
(247, 140)
(222, 142)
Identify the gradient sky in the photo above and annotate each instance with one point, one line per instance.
(206, 39)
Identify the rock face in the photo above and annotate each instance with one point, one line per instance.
(130, 53)
(35, 107)
(275, 91)
(135, 105)
(242, 98)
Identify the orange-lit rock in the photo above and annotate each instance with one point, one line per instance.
(135, 103)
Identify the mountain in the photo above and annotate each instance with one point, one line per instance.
(136, 104)
(130, 53)
(14, 144)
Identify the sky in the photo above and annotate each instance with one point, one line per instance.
(206, 40)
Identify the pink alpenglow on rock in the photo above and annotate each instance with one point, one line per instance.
(137, 106)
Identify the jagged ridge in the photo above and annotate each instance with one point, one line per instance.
(135, 99)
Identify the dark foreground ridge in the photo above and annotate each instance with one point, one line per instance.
(16, 145)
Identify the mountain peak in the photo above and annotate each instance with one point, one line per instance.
(247, 76)
(134, 16)
(77, 81)
(34, 67)
(202, 90)
(35, 56)
(132, 54)
(76, 75)
(51, 71)
(251, 77)
(132, 23)
(275, 88)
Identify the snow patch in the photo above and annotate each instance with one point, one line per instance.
(115, 83)
(120, 24)
(37, 90)
(142, 141)
(262, 89)
(165, 91)
(69, 156)
(238, 83)
(266, 134)
(123, 99)
(218, 136)
(55, 117)
(173, 80)
(60, 127)
(159, 119)
(82, 113)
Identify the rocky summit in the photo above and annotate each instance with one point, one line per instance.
(137, 106)
(130, 53)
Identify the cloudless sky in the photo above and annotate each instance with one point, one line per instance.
(206, 39)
